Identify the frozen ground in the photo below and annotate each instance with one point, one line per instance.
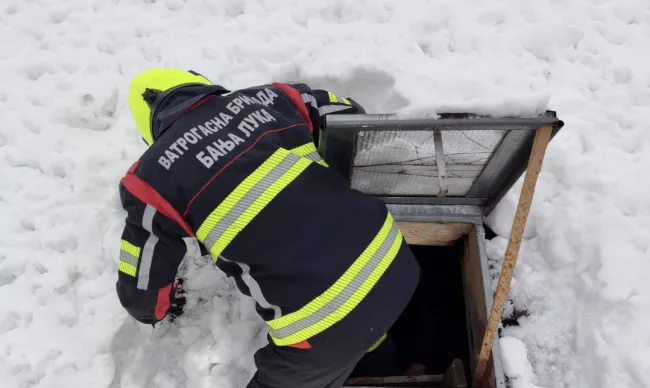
(66, 138)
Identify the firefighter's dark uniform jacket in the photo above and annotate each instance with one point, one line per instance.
(238, 175)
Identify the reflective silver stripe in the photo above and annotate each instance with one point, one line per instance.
(313, 156)
(308, 151)
(247, 200)
(254, 288)
(128, 258)
(308, 98)
(147, 250)
(344, 294)
(327, 109)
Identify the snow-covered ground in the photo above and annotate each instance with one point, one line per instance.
(66, 138)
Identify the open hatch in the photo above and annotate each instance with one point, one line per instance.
(439, 178)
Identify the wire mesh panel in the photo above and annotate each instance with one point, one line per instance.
(402, 163)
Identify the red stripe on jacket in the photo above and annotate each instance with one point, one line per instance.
(147, 194)
(295, 96)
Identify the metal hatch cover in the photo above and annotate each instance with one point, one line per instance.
(457, 159)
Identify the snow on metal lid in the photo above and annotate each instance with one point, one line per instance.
(455, 159)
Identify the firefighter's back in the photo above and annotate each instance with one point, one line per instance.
(240, 174)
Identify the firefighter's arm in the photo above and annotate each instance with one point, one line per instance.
(322, 102)
(151, 249)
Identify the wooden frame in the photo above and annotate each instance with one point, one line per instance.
(433, 233)
(475, 311)
(437, 234)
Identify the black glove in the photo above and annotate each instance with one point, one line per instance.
(177, 300)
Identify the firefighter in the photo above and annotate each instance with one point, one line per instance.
(237, 175)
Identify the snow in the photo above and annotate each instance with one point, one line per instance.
(515, 363)
(66, 138)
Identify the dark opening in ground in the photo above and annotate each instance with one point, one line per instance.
(432, 330)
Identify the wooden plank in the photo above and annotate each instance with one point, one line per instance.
(453, 378)
(542, 138)
(475, 309)
(393, 381)
(433, 233)
(475, 305)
